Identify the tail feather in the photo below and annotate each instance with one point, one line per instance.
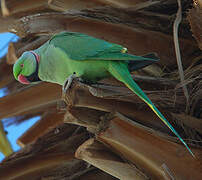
(153, 56)
(139, 64)
(120, 72)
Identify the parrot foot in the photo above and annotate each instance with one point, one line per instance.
(68, 82)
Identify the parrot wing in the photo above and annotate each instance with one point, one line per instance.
(83, 47)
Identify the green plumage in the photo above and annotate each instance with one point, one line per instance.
(91, 59)
(66, 53)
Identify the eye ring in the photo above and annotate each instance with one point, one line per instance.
(21, 65)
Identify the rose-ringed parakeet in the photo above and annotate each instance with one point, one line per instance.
(89, 58)
(5, 146)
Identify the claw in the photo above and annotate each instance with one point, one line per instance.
(68, 83)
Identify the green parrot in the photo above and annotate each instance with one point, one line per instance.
(5, 146)
(69, 54)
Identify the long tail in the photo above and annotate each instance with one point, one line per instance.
(120, 71)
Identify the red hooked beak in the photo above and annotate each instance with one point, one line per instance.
(23, 79)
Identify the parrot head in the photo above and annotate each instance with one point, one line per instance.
(25, 69)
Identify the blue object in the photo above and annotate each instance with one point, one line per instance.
(5, 39)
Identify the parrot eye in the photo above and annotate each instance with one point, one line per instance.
(21, 65)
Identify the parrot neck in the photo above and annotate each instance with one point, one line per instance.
(37, 57)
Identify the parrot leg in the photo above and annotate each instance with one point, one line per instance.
(68, 82)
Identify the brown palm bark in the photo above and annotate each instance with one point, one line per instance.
(115, 136)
